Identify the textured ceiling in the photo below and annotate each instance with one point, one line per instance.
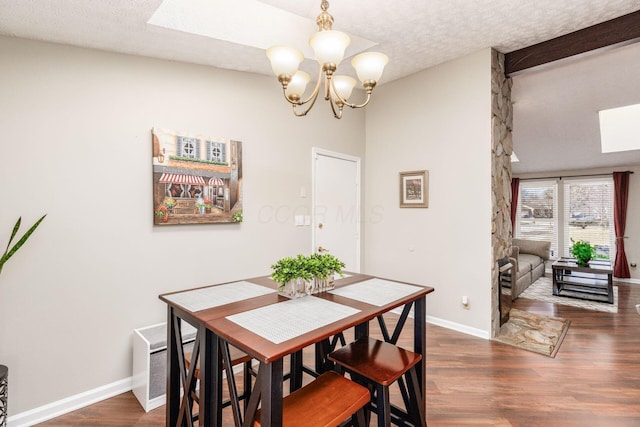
(415, 34)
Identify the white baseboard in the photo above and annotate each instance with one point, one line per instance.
(72, 403)
(69, 404)
(458, 327)
(631, 281)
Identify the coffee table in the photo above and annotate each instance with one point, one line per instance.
(594, 282)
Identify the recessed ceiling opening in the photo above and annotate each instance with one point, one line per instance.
(245, 22)
(620, 129)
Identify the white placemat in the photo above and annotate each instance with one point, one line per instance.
(377, 292)
(200, 299)
(286, 320)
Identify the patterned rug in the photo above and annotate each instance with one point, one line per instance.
(541, 290)
(532, 332)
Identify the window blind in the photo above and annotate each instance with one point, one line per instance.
(588, 214)
(538, 212)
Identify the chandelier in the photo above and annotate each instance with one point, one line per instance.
(329, 46)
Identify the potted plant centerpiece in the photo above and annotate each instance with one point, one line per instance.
(302, 275)
(293, 275)
(8, 253)
(324, 267)
(583, 252)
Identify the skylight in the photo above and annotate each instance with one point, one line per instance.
(246, 22)
(620, 129)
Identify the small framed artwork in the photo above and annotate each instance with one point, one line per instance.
(414, 189)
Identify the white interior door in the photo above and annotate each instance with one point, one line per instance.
(336, 206)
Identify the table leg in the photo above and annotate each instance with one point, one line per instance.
(295, 376)
(610, 288)
(557, 277)
(210, 407)
(173, 372)
(420, 344)
(271, 393)
(361, 330)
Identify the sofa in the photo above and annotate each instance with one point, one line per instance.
(528, 258)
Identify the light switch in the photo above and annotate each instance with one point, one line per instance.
(299, 220)
(307, 220)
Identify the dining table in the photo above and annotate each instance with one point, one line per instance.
(253, 316)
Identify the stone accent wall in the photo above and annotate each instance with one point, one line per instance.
(501, 149)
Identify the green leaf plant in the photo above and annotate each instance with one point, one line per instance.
(583, 252)
(315, 265)
(287, 269)
(12, 250)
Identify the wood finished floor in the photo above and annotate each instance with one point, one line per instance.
(594, 380)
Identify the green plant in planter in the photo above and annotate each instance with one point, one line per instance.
(290, 268)
(9, 252)
(323, 265)
(583, 252)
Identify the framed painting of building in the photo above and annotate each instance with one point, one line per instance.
(414, 189)
(197, 179)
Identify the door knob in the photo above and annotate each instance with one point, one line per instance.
(320, 225)
(321, 249)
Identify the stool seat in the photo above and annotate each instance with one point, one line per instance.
(378, 361)
(378, 365)
(327, 401)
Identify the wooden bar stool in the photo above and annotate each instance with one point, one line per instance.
(327, 401)
(379, 364)
(237, 357)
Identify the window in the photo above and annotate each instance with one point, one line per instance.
(538, 212)
(216, 151)
(588, 214)
(188, 147)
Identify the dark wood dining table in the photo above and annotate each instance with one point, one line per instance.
(223, 321)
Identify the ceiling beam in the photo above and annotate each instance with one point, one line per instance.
(616, 31)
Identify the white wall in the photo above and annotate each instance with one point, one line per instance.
(438, 119)
(75, 143)
(632, 230)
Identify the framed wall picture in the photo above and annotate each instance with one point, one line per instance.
(414, 189)
(197, 179)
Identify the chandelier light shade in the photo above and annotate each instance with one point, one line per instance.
(297, 85)
(369, 66)
(329, 46)
(343, 85)
(284, 60)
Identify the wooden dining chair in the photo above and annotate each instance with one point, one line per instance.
(327, 401)
(378, 364)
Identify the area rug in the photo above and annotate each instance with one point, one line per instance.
(542, 290)
(532, 332)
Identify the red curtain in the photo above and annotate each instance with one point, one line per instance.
(515, 185)
(620, 200)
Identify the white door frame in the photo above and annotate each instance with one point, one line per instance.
(315, 151)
